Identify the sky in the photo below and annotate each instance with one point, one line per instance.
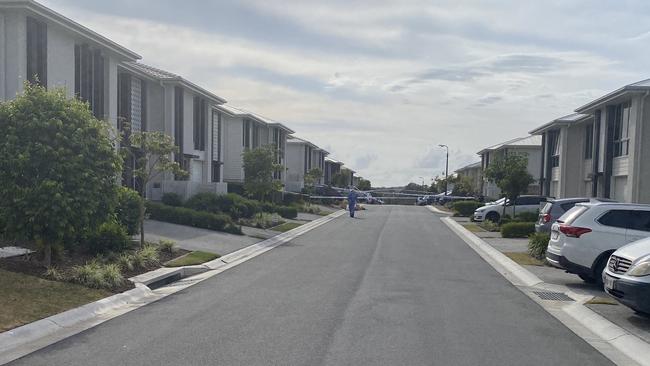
(380, 84)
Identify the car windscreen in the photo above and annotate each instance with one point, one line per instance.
(570, 216)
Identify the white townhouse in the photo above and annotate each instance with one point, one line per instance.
(41, 46)
(156, 100)
(332, 167)
(567, 151)
(529, 146)
(601, 152)
(244, 130)
(473, 172)
(302, 156)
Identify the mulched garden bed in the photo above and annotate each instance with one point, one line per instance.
(31, 265)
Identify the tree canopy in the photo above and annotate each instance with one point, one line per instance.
(510, 174)
(259, 168)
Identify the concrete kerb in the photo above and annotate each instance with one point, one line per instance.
(31, 337)
(438, 211)
(614, 342)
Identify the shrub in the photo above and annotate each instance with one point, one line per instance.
(109, 237)
(128, 210)
(54, 274)
(287, 212)
(167, 246)
(189, 217)
(466, 208)
(517, 229)
(234, 205)
(147, 257)
(126, 261)
(172, 199)
(489, 225)
(527, 216)
(97, 275)
(264, 220)
(537, 244)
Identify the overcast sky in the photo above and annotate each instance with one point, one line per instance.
(381, 83)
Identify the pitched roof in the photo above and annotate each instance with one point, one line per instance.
(638, 87)
(298, 140)
(166, 76)
(70, 25)
(566, 120)
(237, 112)
(534, 140)
(470, 166)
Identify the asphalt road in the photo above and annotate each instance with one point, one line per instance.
(392, 287)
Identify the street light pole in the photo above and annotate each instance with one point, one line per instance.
(423, 183)
(446, 169)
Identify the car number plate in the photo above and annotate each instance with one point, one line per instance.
(609, 282)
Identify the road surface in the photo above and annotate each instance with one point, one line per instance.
(392, 287)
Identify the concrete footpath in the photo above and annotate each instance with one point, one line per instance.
(566, 304)
(24, 340)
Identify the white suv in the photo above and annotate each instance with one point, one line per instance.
(494, 211)
(585, 236)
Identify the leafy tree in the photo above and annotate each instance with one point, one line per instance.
(152, 151)
(340, 180)
(259, 166)
(510, 174)
(59, 168)
(364, 185)
(311, 177)
(463, 186)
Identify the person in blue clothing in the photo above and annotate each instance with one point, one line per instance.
(352, 201)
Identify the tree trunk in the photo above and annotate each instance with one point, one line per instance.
(142, 212)
(47, 254)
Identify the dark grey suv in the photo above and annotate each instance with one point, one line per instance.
(553, 209)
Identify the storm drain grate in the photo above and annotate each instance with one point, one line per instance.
(554, 296)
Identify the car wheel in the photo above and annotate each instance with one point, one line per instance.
(493, 216)
(598, 270)
(587, 278)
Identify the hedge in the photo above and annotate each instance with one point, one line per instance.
(517, 229)
(189, 217)
(172, 199)
(537, 244)
(232, 204)
(466, 208)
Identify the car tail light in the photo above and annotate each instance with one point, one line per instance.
(574, 231)
(546, 218)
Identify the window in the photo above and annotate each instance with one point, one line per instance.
(246, 134)
(200, 123)
(621, 129)
(36, 52)
(554, 148)
(256, 135)
(640, 220)
(589, 141)
(216, 146)
(306, 157)
(617, 218)
(90, 69)
(216, 171)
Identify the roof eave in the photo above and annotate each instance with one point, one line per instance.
(591, 106)
(71, 25)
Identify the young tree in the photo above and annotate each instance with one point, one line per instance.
(59, 167)
(464, 187)
(364, 185)
(152, 151)
(340, 180)
(511, 175)
(259, 168)
(311, 178)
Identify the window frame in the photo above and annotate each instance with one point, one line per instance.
(621, 138)
(589, 141)
(36, 51)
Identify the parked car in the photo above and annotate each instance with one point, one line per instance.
(521, 204)
(554, 208)
(373, 200)
(627, 276)
(585, 236)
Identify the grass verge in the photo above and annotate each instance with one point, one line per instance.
(192, 259)
(26, 299)
(524, 259)
(473, 228)
(286, 227)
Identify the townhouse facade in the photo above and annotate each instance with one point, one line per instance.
(529, 146)
(601, 152)
(303, 156)
(473, 172)
(245, 130)
(332, 167)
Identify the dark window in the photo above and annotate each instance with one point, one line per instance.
(617, 218)
(640, 220)
(567, 206)
(90, 69)
(247, 134)
(216, 171)
(178, 126)
(200, 123)
(143, 105)
(554, 148)
(306, 167)
(123, 100)
(589, 140)
(36, 52)
(621, 129)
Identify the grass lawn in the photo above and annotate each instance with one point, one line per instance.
(26, 298)
(286, 227)
(524, 259)
(473, 228)
(192, 259)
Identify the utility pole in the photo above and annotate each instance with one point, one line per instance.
(446, 169)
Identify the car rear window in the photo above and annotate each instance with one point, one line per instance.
(568, 206)
(570, 216)
(547, 208)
